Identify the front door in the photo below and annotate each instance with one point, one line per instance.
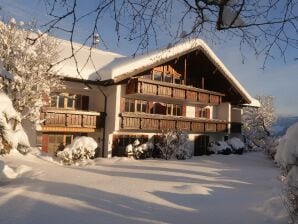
(201, 145)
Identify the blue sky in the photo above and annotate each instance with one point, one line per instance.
(279, 79)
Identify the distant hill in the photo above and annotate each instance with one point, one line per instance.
(282, 124)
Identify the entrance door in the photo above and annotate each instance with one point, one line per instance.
(201, 145)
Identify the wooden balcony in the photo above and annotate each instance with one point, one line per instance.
(75, 120)
(172, 92)
(157, 123)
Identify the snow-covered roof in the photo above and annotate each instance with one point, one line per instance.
(87, 67)
(129, 66)
(111, 66)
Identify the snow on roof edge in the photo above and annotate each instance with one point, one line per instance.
(254, 103)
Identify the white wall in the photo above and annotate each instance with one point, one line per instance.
(223, 111)
(236, 115)
(96, 98)
(112, 120)
(190, 111)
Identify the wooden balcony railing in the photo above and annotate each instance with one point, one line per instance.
(149, 87)
(71, 118)
(154, 122)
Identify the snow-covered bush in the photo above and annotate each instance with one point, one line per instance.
(29, 58)
(287, 157)
(12, 135)
(174, 143)
(237, 145)
(138, 150)
(287, 149)
(220, 147)
(82, 148)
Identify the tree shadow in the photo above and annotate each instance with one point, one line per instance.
(45, 202)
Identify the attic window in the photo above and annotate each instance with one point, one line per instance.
(157, 76)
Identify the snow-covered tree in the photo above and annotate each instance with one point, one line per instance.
(30, 63)
(287, 157)
(174, 143)
(12, 135)
(257, 123)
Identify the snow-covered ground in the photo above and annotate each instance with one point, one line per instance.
(217, 189)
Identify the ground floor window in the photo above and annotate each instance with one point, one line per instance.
(121, 141)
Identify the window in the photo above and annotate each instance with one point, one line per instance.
(69, 101)
(61, 101)
(58, 141)
(177, 80)
(157, 76)
(168, 78)
(169, 109)
(132, 105)
(177, 110)
(141, 106)
(174, 109)
(121, 141)
(203, 112)
(159, 108)
(55, 143)
(129, 105)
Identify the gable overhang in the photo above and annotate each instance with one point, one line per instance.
(142, 63)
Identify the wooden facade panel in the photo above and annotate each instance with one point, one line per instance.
(160, 123)
(150, 124)
(174, 91)
(148, 88)
(164, 91)
(197, 127)
(203, 97)
(222, 127)
(167, 124)
(191, 95)
(131, 123)
(215, 99)
(183, 125)
(179, 93)
(70, 120)
(210, 127)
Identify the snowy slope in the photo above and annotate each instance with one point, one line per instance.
(216, 189)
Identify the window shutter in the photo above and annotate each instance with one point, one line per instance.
(45, 142)
(197, 112)
(208, 113)
(122, 104)
(184, 110)
(85, 102)
(150, 107)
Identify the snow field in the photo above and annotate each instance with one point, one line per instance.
(216, 189)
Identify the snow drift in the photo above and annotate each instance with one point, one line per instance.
(7, 173)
